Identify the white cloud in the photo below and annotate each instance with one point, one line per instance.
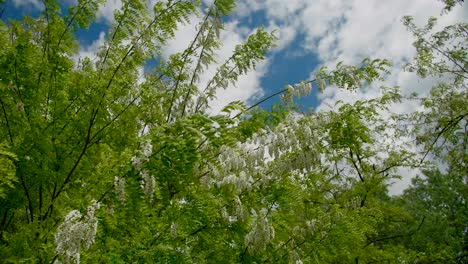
(106, 11)
(351, 30)
(183, 36)
(276, 9)
(367, 29)
(286, 33)
(91, 50)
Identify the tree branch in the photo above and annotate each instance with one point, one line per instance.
(26, 191)
(187, 53)
(7, 123)
(355, 165)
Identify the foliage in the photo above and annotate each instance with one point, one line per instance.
(7, 170)
(101, 164)
(449, 4)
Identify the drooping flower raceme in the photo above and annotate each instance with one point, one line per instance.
(261, 234)
(76, 231)
(119, 186)
(147, 182)
(146, 149)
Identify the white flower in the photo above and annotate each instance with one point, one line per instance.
(215, 125)
(146, 149)
(76, 231)
(72, 216)
(119, 186)
(148, 184)
(224, 214)
(137, 164)
(174, 229)
(261, 234)
(321, 83)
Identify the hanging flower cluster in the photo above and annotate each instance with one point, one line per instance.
(143, 155)
(238, 213)
(119, 188)
(261, 234)
(174, 231)
(290, 146)
(236, 167)
(297, 90)
(147, 183)
(76, 231)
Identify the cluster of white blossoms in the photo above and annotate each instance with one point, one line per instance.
(297, 90)
(119, 188)
(174, 230)
(76, 231)
(143, 155)
(235, 168)
(291, 146)
(294, 257)
(147, 183)
(261, 234)
(238, 213)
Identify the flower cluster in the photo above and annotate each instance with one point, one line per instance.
(297, 90)
(76, 231)
(261, 234)
(174, 231)
(147, 183)
(119, 188)
(143, 155)
(238, 213)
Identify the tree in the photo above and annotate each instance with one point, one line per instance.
(434, 227)
(75, 128)
(101, 165)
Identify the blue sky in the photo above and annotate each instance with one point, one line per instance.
(311, 33)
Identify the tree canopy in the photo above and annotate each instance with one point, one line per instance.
(100, 164)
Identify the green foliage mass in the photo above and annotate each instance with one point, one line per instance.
(101, 164)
